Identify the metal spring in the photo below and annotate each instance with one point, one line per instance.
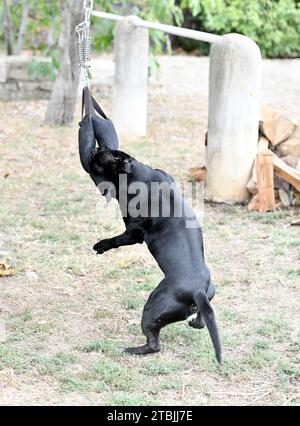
(81, 53)
(83, 45)
(84, 52)
(87, 49)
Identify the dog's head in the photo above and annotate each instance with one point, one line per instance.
(109, 164)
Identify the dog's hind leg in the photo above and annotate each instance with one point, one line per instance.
(161, 309)
(211, 291)
(151, 329)
(150, 347)
(198, 321)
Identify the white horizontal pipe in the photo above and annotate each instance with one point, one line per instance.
(106, 15)
(181, 32)
(170, 29)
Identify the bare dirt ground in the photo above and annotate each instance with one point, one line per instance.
(68, 313)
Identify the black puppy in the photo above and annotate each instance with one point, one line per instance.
(178, 249)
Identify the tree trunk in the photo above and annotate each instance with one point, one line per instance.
(23, 27)
(8, 29)
(62, 103)
(51, 40)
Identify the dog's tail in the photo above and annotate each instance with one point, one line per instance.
(207, 312)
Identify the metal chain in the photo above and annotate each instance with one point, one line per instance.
(84, 42)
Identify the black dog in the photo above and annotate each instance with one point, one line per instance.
(178, 249)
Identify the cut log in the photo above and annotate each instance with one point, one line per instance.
(284, 198)
(277, 129)
(291, 161)
(265, 180)
(198, 173)
(263, 144)
(279, 183)
(291, 146)
(252, 186)
(286, 172)
(295, 222)
(267, 113)
(254, 203)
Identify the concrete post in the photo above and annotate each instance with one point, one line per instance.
(234, 101)
(131, 78)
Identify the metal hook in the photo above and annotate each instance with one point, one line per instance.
(88, 4)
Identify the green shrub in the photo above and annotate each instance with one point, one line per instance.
(274, 25)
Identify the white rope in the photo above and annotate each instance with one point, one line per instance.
(84, 43)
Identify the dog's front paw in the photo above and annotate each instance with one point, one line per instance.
(102, 246)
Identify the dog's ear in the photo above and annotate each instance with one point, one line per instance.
(96, 166)
(107, 157)
(111, 160)
(97, 169)
(102, 160)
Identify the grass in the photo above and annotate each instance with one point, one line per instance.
(104, 346)
(50, 365)
(274, 327)
(114, 375)
(67, 328)
(294, 272)
(132, 304)
(83, 384)
(12, 358)
(21, 360)
(124, 399)
(153, 367)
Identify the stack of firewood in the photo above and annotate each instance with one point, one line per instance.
(275, 179)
